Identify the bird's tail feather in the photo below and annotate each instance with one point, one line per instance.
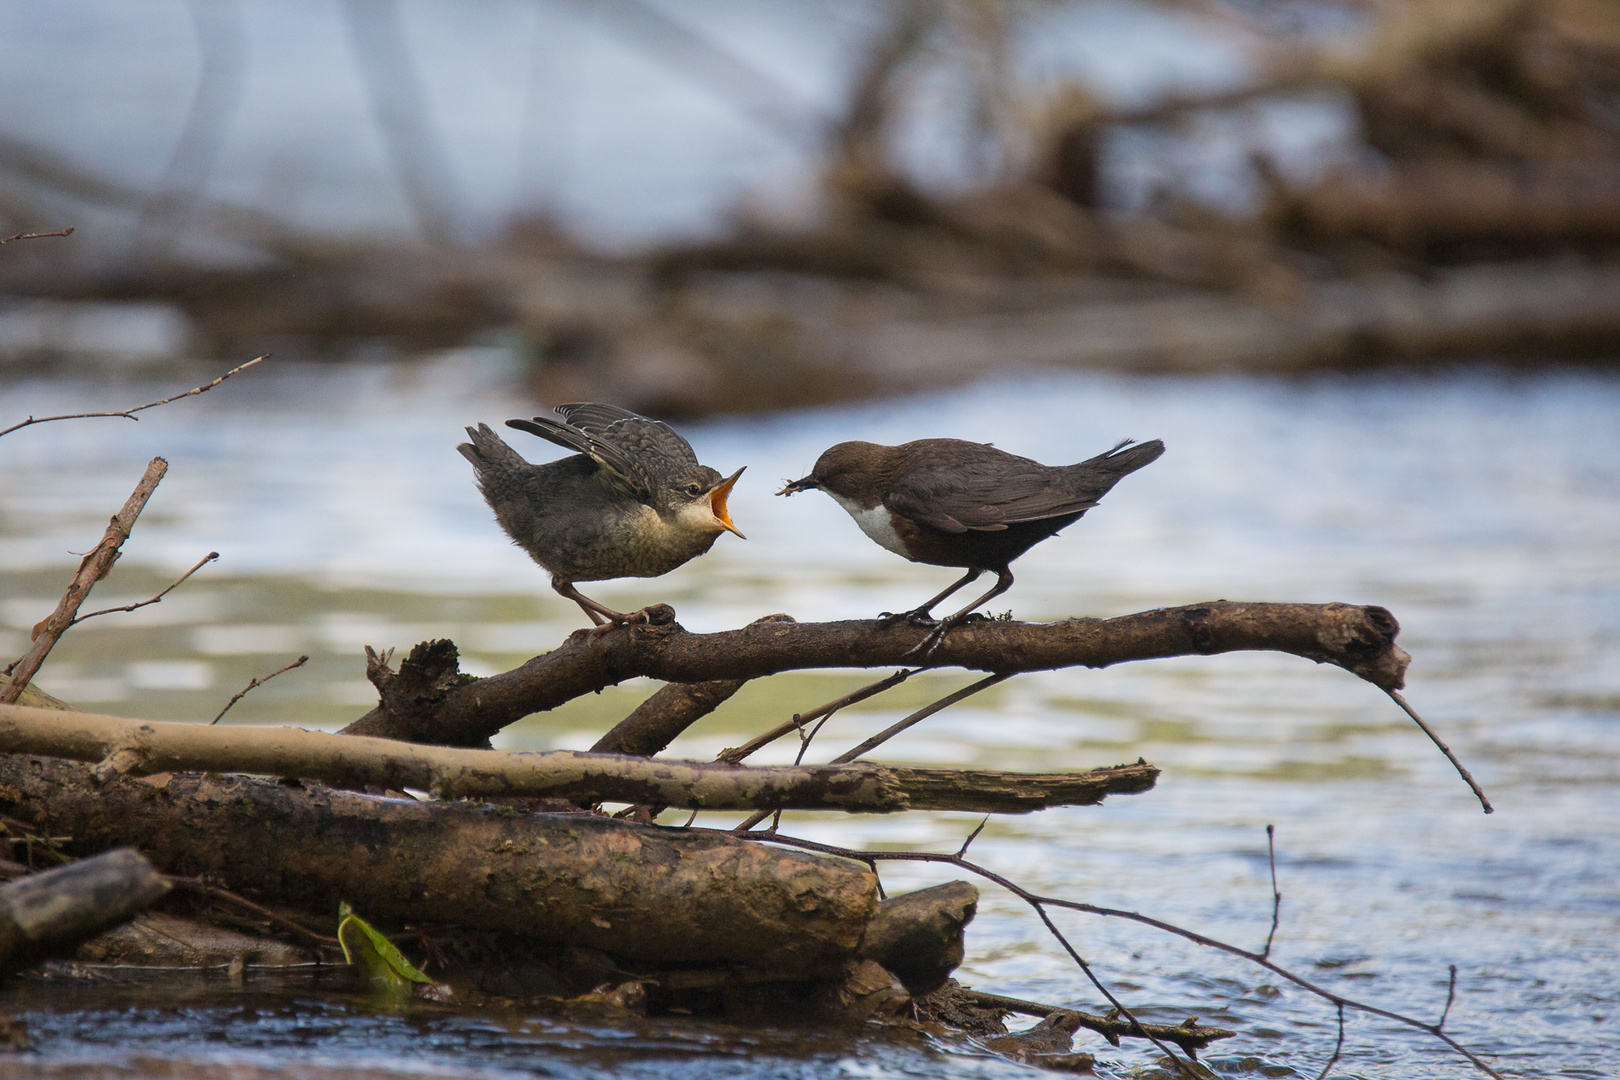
(489, 453)
(1128, 456)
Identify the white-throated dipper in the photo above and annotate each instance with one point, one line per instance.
(949, 502)
(633, 502)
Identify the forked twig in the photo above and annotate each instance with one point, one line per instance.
(130, 413)
(300, 662)
(92, 569)
(1039, 903)
(204, 561)
(1395, 696)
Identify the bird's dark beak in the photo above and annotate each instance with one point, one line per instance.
(793, 487)
(717, 502)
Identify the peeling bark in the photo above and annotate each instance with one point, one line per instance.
(139, 748)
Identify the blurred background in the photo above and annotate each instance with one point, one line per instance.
(719, 206)
(1356, 263)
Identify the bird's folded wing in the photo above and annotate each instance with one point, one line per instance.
(957, 500)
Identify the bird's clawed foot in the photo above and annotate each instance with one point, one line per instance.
(924, 649)
(914, 617)
(651, 615)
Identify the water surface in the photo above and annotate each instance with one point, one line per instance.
(1479, 507)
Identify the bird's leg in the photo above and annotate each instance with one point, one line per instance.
(602, 618)
(925, 648)
(920, 616)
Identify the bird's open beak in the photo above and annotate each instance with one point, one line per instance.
(793, 487)
(717, 502)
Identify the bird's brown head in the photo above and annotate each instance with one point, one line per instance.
(699, 500)
(854, 471)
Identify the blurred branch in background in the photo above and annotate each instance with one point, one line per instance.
(222, 42)
(400, 108)
(749, 87)
(1473, 209)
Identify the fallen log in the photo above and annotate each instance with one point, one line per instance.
(54, 912)
(428, 701)
(140, 748)
(651, 895)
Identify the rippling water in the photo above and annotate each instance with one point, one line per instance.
(1481, 508)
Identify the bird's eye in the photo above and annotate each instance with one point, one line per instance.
(694, 490)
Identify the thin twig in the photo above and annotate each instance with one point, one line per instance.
(1136, 1024)
(300, 662)
(204, 561)
(129, 414)
(735, 755)
(961, 852)
(1451, 995)
(920, 715)
(1276, 894)
(825, 711)
(1038, 902)
(197, 884)
(1338, 1045)
(95, 566)
(38, 235)
(1190, 1037)
(1395, 696)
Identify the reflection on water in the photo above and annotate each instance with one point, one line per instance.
(1481, 509)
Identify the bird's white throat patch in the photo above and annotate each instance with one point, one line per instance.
(874, 523)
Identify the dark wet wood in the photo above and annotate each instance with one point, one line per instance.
(1360, 639)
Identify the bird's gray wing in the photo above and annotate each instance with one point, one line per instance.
(651, 441)
(959, 500)
(619, 468)
(985, 491)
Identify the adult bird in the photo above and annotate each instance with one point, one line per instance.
(632, 502)
(948, 502)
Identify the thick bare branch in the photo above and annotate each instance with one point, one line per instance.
(141, 748)
(1357, 638)
(657, 722)
(94, 567)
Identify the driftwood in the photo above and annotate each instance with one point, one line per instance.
(139, 748)
(919, 936)
(429, 702)
(653, 895)
(54, 912)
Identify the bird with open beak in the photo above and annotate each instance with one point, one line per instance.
(949, 502)
(632, 502)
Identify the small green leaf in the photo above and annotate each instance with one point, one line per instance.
(382, 965)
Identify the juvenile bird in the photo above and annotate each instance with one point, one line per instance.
(948, 502)
(633, 502)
